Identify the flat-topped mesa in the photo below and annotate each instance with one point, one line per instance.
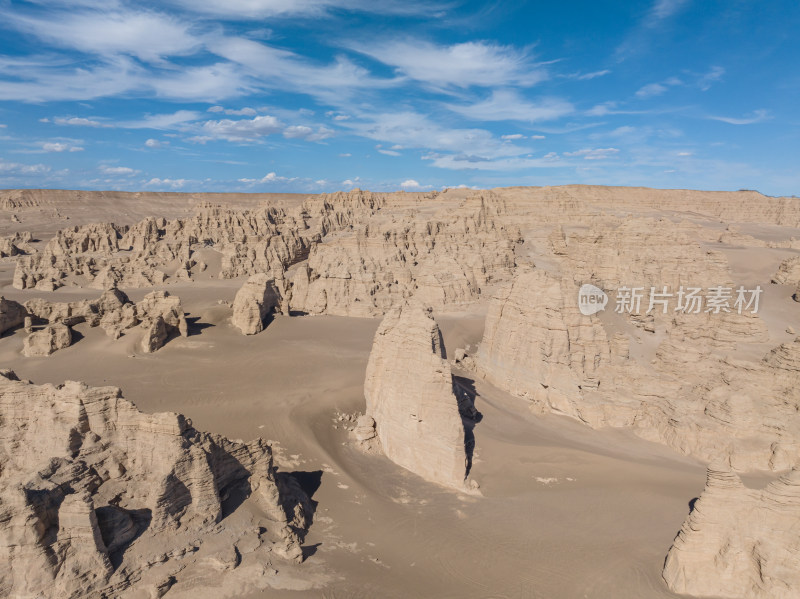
(738, 542)
(261, 295)
(100, 500)
(409, 393)
(643, 252)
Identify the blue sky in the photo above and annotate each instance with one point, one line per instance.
(321, 95)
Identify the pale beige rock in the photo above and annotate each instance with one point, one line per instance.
(788, 272)
(259, 296)
(160, 304)
(12, 314)
(738, 542)
(50, 339)
(409, 394)
(100, 500)
(537, 345)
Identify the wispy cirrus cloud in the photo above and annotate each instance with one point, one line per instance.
(663, 9)
(468, 64)
(758, 116)
(509, 105)
(260, 9)
(147, 35)
(593, 153)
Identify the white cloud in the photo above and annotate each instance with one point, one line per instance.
(465, 162)
(714, 75)
(513, 136)
(78, 122)
(241, 130)
(389, 152)
(161, 121)
(508, 105)
(345, 155)
(663, 9)
(166, 183)
(117, 170)
(459, 65)
(268, 178)
(650, 90)
(594, 153)
(307, 133)
(15, 168)
(277, 68)
(57, 146)
(147, 35)
(589, 76)
(260, 9)
(152, 143)
(758, 117)
(414, 130)
(246, 111)
(411, 184)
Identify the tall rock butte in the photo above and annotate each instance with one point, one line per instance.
(409, 393)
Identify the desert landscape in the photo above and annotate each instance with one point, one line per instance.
(400, 394)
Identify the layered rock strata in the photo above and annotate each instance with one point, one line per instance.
(100, 500)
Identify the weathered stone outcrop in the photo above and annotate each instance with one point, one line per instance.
(101, 500)
(446, 260)
(261, 295)
(738, 542)
(159, 315)
(409, 394)
(48, 340)
(12, 314)
(788, 272)
(537, 344)
(692, 396)
(16, 244)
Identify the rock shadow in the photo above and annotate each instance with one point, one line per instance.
(194, 326)
(464, 390)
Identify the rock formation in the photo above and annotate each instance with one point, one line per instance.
(100, 500)
(159, 315)
(739, 542)
(50, 339)
(536, 343)
(788, 272)
(409, 394)
(443, 259)
(258, 297)
(692, 396)
(12, 314)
